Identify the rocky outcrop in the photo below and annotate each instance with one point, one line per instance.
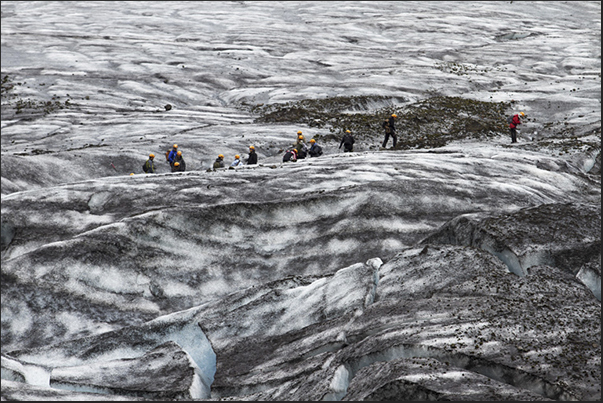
(565, 236)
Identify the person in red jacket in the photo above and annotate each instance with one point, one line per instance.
(516, 121)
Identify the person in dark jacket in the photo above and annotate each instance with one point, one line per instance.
(219, 162)
(315, 150)
(180, 161)
(513, 126)
(389, 125)
(149, 166)
(347, 141)
(176, 167)
(253, 157)
(301, 147)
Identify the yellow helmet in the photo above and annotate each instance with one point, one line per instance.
(522, 114)
(151, 155)
(237, 157)
(251, 147)
(132, 174)
(312, 141)
(176, 164)
(220, 156)
(175, 145)
(179, 153)
(300, 137)
(347, 131)
(299, 132)
(394, 115)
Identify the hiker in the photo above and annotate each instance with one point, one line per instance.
(301, 147)
(180, 162)
(315, 150)
(390, 130)
(290, 155)
(347, 141)
(177, 167)
(236, 161)
(171, 155)
(149, 166)
(219, 162)
(253, 157)
(515, 121)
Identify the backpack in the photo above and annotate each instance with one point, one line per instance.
(510, 119)
(289, 156)
(317, 150)
(145, 168)
(385, 125)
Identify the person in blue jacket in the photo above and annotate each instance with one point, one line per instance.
(172, 155)
(237, 161)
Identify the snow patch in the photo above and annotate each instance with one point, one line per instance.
(592, 280)
(339, 384)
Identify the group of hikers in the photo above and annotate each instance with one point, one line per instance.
(252, 159)
(172, 157)
(177, 164)
(300, 149)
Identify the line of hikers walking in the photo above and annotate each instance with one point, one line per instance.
(252, 159)
(300, 149)
(177, 163)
